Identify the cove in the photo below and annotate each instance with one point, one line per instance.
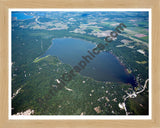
(103, 67)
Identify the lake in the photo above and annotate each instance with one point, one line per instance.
(103, 67)
(21, 15)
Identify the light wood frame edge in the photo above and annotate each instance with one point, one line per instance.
(4, 8)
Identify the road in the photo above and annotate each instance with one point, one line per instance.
(133, 95)
(143, 87)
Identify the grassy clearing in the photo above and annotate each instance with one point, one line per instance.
(145, 38)
(141, 62)
(39, 59)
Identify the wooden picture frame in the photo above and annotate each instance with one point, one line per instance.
(154, 5)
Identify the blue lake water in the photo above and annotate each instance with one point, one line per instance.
(21, 15)
(103, 67)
